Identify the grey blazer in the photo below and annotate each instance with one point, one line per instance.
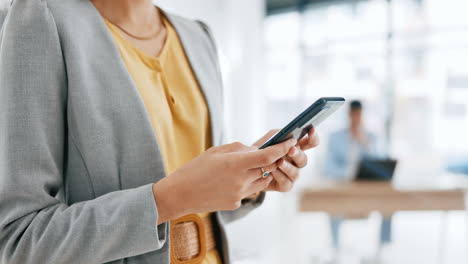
(78, 155)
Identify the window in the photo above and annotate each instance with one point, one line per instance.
(405, 59)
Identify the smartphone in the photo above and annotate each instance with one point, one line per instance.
(311, 117)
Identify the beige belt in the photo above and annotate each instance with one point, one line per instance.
(191, 237)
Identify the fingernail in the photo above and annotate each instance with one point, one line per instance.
(285, 165)
(294, 152)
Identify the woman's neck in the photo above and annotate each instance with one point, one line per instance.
(135, 15)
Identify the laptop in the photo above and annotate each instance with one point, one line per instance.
(376, 170)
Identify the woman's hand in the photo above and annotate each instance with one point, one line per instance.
(217, 180)
(289, 166)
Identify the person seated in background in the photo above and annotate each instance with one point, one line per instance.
(459, 166)
(346, 148)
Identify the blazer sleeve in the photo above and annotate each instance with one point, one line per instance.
(3, 12)
(36, 226)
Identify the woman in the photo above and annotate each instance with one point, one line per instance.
(106, 110)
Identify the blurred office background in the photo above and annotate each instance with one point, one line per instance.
(407, 60)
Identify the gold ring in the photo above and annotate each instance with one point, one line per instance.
(264, 173)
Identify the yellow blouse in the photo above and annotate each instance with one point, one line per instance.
(173, 100)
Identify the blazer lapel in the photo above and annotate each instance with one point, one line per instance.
(203, 59)
(107, 113)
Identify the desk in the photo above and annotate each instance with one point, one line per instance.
(358, 199)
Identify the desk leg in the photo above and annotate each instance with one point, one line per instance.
(379, 218)
(442, 236)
